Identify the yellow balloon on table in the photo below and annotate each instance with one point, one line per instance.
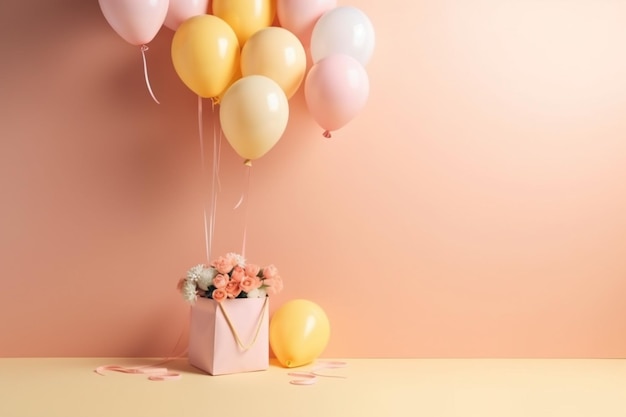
(205, 54)
(299, 333)
(245, 16)
(278, 54)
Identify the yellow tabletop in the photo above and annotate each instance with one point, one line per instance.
(371, 387)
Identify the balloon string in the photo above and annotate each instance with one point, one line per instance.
(217, 127)
(215, 180)
(203, 172)
(238, 202)
(245, 222)
(213, 196)
(144, 48)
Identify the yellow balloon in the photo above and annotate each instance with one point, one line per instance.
(278, 54)
(245, 16)
(254, 114)
(299, 333)
(205, 54)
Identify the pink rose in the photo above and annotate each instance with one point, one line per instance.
(275, 284)
(252, 270)
(250, 283)
(223, 265)
(219, 295)
(237, 274)
(220, 281)
(270, 271)
(233, 289)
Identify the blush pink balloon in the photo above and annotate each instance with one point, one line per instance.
(336, 90)
(181, 10)
(136, 21)
(299, 16)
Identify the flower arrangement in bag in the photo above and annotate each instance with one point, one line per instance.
(230, 277)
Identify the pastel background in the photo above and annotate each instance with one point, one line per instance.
(475, 208)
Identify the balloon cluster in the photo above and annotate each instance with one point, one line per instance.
(232, 52)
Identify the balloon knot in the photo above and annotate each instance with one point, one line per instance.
(144, 48)
(215, 100)
(327, 134)
(248, 162)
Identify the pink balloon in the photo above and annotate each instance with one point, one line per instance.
(136, 21)
(336, 90)
(181, 10)
(299, 16)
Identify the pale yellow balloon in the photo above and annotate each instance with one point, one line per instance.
(278, 54)
(245, 16)
(205, 54)
(254, 113)
(299, 333)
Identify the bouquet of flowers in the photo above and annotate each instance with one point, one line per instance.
(230, 277)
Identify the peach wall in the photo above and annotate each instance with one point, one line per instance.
(476, 207)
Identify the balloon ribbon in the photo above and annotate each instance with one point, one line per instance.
(154, 372)
(207, 239)
(144, 48)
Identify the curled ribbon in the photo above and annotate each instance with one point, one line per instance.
(310, 377)
(154, 374)
(144, 49)
(154, 371)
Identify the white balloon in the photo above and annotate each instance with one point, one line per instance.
(343, 30)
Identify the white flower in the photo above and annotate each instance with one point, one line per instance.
(194, 272)
(241, 261)
(257, 293)
(189, 291)
(205, 278)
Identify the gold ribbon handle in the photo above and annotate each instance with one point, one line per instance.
(234, 331)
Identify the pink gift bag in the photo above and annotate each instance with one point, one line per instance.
(230, 337)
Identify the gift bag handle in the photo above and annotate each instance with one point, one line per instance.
(236, 335)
